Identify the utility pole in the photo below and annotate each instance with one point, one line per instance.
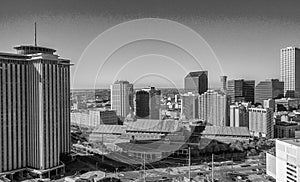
(189, 164)
(144, 163)
(212, 167)
(102, 149)
(35, 40)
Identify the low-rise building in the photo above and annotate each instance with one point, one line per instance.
(285, 129)
(92, 118)
(285, 164)
(287, 104)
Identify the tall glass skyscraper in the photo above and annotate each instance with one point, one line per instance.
(196, 82)
(268, 89)
(147, 103)
(122, 98)
(34, 110)
(290, 71)
(241, 90)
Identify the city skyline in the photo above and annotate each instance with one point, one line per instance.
(225, 28)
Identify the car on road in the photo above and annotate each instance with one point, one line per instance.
(245, 165)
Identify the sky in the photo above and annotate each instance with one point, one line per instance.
(238, 38)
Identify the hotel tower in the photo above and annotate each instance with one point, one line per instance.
(34, 110)
(290, 71)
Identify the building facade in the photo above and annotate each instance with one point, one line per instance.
(241, 90)
(189, 105)
(35, 109)
(239, 116)
(147, 103)
(261, 122)
(269, 89)
(108, 117)
(290, 71)
(285, 129)
(214, 108)
(122, 98)
(196, 82)
(285, 164)
(223, 80)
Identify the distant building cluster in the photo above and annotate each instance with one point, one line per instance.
(95, 117)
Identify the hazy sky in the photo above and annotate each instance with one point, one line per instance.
(245, 36)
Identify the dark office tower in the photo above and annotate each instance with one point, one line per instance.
(147, 103)
(268, 89)
(196, 82)
(241, 90)
(35, 110)
(223, 83)
(248, 89)
(290, 71)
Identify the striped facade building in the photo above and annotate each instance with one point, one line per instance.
(214, 108)
(290, 71)
(34, 110)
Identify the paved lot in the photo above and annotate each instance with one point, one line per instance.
(220, 172)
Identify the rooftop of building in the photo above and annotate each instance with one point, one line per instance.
(4, 55)
(151, 125)
(141, 125)
(31, 49)
(282, 123)
(290, 47)
(110, 129)
(121, 81)
(292, 141)
(190, 94)
(287, 99)
(211, 91)
(226, 131)
(196, 73)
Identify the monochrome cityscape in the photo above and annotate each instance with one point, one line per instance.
(121, 112)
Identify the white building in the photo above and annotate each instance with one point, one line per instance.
(189, 105)
(261, 122)
(239, 116)
(285, 165)
(214, 108)
(290, 70)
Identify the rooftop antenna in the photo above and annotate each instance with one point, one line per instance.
(35, 44)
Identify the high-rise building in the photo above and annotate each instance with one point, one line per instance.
(190, 105)
(214, 108)
(34, 110)
(147, 103)
(261, 122)
(241, 90)
(122, 98)
(268, 89)
(239, 116)
(290, 71)
(196, 82)
(223, 83)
